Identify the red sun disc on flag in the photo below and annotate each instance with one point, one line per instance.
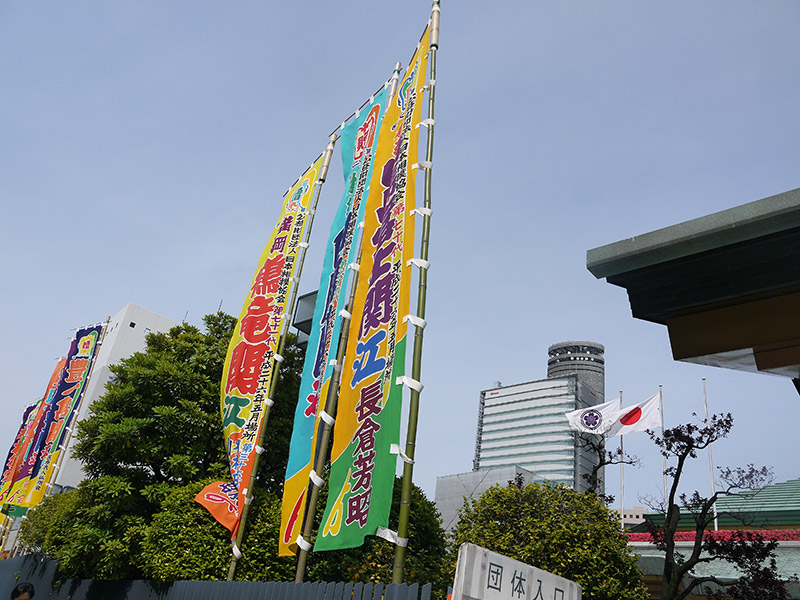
(631, 417)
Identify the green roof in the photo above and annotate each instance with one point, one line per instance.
(775, 506)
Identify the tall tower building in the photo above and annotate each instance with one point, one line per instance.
(524, 424)
(584, 359)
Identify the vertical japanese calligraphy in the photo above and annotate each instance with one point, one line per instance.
(248, 371)
(368, 419)
(57, 413)
(358, 139)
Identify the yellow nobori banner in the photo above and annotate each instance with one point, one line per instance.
(248, 370)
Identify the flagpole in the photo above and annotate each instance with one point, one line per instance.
(710, 461)
(621, 474)
(663, 458)
(413, 410)
(332, 398)
(323, 173)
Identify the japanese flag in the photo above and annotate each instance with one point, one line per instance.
(646, 415)
(594, 419)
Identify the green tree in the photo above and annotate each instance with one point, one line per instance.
(427, 559)
(156, 430)
(753, 556)
(557, 529)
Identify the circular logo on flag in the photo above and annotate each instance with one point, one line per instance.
(591, 419)
(632, 417)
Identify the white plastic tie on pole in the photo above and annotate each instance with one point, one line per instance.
(420, 263)
(294, 279)
(345, 315)
(342, 126)
(269, 401)
(303, 245)
(361, 225)
(326, 418)
(423, 164)
(426, 123)
(248, 500)
(354, 267)
(236, 552)
(316, 479)
(416, 321)
(421, 210)
(332, 362)
(391, 536)
(304, 545)
(278, 358)
(409, 382)
(395, 449)
(259, 450)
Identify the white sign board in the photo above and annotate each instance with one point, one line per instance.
(485, 575)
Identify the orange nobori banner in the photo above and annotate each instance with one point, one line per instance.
(250, 362)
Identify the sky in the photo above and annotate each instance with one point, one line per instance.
(146, 147)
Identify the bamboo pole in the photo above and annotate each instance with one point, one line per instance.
(323, 173)
(413, 409)
(332, 399)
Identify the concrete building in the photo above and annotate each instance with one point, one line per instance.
(453, 490)
(124, 336)
(522, 429)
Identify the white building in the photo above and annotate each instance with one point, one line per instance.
(125, 335)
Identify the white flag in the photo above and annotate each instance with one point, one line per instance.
(646, 415)
(594, 419)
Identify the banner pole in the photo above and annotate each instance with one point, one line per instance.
(48, 491)
(323, 173)
(332, 398)
(413, 408)
(663, 457)
(710, 461)
(621, 474)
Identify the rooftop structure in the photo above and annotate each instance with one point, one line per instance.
(726, 285)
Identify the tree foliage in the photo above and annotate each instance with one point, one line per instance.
(156, 430)
(749, 551)
(557, 529)
(152, 442)
(596, 445)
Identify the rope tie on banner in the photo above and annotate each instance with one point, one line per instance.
(332, 362)
(345, 314)
(303, 544)
(236, 552)
(269, 402)
(395, 449)
(421, 210)
(426, 123)
(423, 164)
(415, 321)
(354, 267)
(278, 358)
(326, 418)
(259, 450)
(409, 382)
(419, 263)
(303, 245)
(391, 536)
(316, 479)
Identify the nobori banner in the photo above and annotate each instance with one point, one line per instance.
(58, 419)
(358, 140)
(249, 364)
(368, 418)
(30, 438)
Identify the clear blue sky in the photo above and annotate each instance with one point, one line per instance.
(146, 145)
